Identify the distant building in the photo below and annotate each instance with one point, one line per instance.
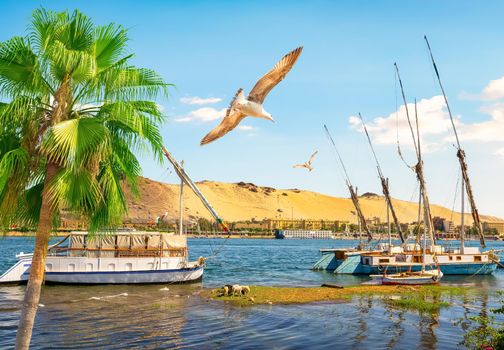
(374, 221)
(448, 227)
(499, 226)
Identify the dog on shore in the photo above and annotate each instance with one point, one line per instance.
(233, 290)
(237, 289)
(240, 290)
(228, 290)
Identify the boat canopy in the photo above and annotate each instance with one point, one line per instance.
(107, 244)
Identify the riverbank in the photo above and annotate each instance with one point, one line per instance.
(425, 298)
(220, 236)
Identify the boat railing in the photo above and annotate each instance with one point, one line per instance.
(119, 252)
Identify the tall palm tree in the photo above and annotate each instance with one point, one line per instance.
(75, 115)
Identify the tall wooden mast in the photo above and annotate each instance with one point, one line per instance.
(353, 192)
(187, 180)
(461, 157)
(418, 167)
(384, 183)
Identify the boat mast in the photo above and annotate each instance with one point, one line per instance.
(389, 229)
(353, 193)
(462, 228)
(418, 167)
(424, 242)
(461, 157)
(187, 180)
(181, 204)
(385, 188)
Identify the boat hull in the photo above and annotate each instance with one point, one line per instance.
(353, 265)
(126, 277)
(415, 282)
(20, 272)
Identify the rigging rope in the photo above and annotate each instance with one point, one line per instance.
(396, 79)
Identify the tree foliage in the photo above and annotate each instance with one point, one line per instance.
(73, 99)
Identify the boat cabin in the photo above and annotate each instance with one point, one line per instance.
(121, 244)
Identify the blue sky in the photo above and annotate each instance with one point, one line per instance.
(209, 49)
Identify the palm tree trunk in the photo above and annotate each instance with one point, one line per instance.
(37, 269)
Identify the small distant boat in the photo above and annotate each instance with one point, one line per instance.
(408, 277)
(304, 234)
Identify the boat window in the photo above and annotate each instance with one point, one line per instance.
(477, 258)
(129, 266)
(89, 267)
(451, 258)
(459, 258)
(383, 261)
(111, 267)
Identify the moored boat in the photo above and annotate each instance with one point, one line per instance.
(408, 277)
(115, 258)
(472, 261)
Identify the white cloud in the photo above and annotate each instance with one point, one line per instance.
(494, 90)
(204, 114)
(491, 130)
(195, 100)
(433, 120)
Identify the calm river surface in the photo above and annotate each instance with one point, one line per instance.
(152, 317)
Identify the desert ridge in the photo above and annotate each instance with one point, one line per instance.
(247, 202)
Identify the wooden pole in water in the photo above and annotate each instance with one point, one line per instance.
(181, 204)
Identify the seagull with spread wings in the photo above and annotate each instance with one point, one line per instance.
(252, 105)
(307, 164)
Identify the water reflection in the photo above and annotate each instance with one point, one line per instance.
(397, 326)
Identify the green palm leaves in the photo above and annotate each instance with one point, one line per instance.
(74, 101)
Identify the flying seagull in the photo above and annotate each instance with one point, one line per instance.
(252, 105)
(307, 164)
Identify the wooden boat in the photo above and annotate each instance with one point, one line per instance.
(408, 277)
(118, 258)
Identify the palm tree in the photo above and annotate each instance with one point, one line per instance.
(76, 114)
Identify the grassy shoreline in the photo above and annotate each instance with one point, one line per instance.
(423, 298)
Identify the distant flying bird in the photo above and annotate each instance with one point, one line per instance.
(251, 105)
(307, 164)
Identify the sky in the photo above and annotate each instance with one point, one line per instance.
(209, 49)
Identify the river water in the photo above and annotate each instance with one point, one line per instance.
(174, 316)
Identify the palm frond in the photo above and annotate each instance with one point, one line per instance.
(73, 142)
(19, 71)
(110, 45)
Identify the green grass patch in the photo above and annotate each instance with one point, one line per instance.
(423, 298)
(422, 305)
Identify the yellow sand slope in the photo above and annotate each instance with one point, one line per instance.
(245, 201)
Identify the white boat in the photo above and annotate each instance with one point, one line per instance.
(408, 277)
(115, 258)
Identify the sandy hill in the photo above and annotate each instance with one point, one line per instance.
(246, 201)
